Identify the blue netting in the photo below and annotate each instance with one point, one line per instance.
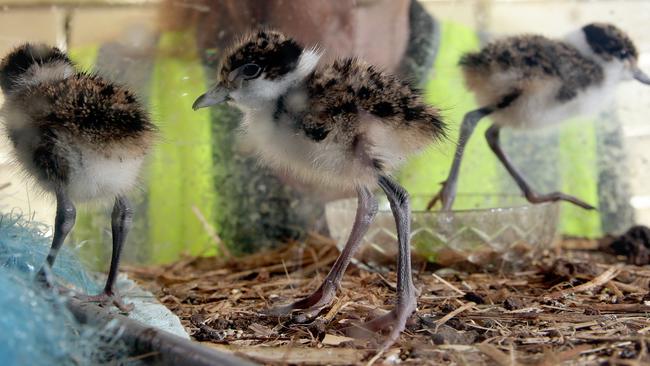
(35, 326)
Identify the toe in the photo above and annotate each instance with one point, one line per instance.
(398, 327)
(125, 308)
(279, 310)
(105, 299)
(395, 320)
(309, 307)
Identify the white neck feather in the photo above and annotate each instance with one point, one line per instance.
(578, 40)
(307, 62)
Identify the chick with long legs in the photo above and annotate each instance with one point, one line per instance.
(344, 125)
(448, 192)
(532, 81)
(77, 136)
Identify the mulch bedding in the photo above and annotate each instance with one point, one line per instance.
(579, 304)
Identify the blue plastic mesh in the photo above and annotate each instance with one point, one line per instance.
(35, 326)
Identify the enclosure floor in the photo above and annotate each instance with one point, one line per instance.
(577, 306)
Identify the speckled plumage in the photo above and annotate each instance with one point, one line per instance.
(277, 53)
(533, 57)
(341, 124)
(80, 137)
(340, 91)
(344, 97)
(531, 81)
(61, 127)
(555, 79)
(346, 125)
(90, 108)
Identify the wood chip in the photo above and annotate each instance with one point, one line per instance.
(334, 340)
(602, 279)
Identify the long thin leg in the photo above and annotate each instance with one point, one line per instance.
(63, 222)
(366, 211)
(492, 137)
(121, 220)
(447, 193)
(406, 294)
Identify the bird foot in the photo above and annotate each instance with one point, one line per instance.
(106, 298)
(445, 197)
(43, 279)
(395, 320)
(103, 299)
(308, 308)
(558, 196)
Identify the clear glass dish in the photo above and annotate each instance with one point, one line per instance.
(483, 230)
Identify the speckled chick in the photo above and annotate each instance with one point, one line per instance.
(532, 81)
(78, 136)
(346, 125)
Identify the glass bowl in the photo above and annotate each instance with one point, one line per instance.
(483, 230)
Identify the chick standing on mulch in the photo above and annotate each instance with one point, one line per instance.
(79, 137)
(531, 81)
(345, 125)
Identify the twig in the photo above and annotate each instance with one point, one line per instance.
(444, 282)
(338, 305)
(211, 232)
(623, 308)
(375, 358)
(612, 286)
(286, 273)
(446, 318)
(629, 288)
(602, 279)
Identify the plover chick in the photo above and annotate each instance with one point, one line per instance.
(79, 137)
(345, 125)
(531, 81)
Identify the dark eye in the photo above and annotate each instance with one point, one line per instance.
(623, 53)
(250, 71)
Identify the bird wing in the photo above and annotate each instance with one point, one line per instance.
(349, 86)
(531, 57)
(89, 107)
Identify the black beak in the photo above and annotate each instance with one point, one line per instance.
(216, 95)
(641, 76)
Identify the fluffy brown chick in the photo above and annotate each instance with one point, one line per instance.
(346, 125)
